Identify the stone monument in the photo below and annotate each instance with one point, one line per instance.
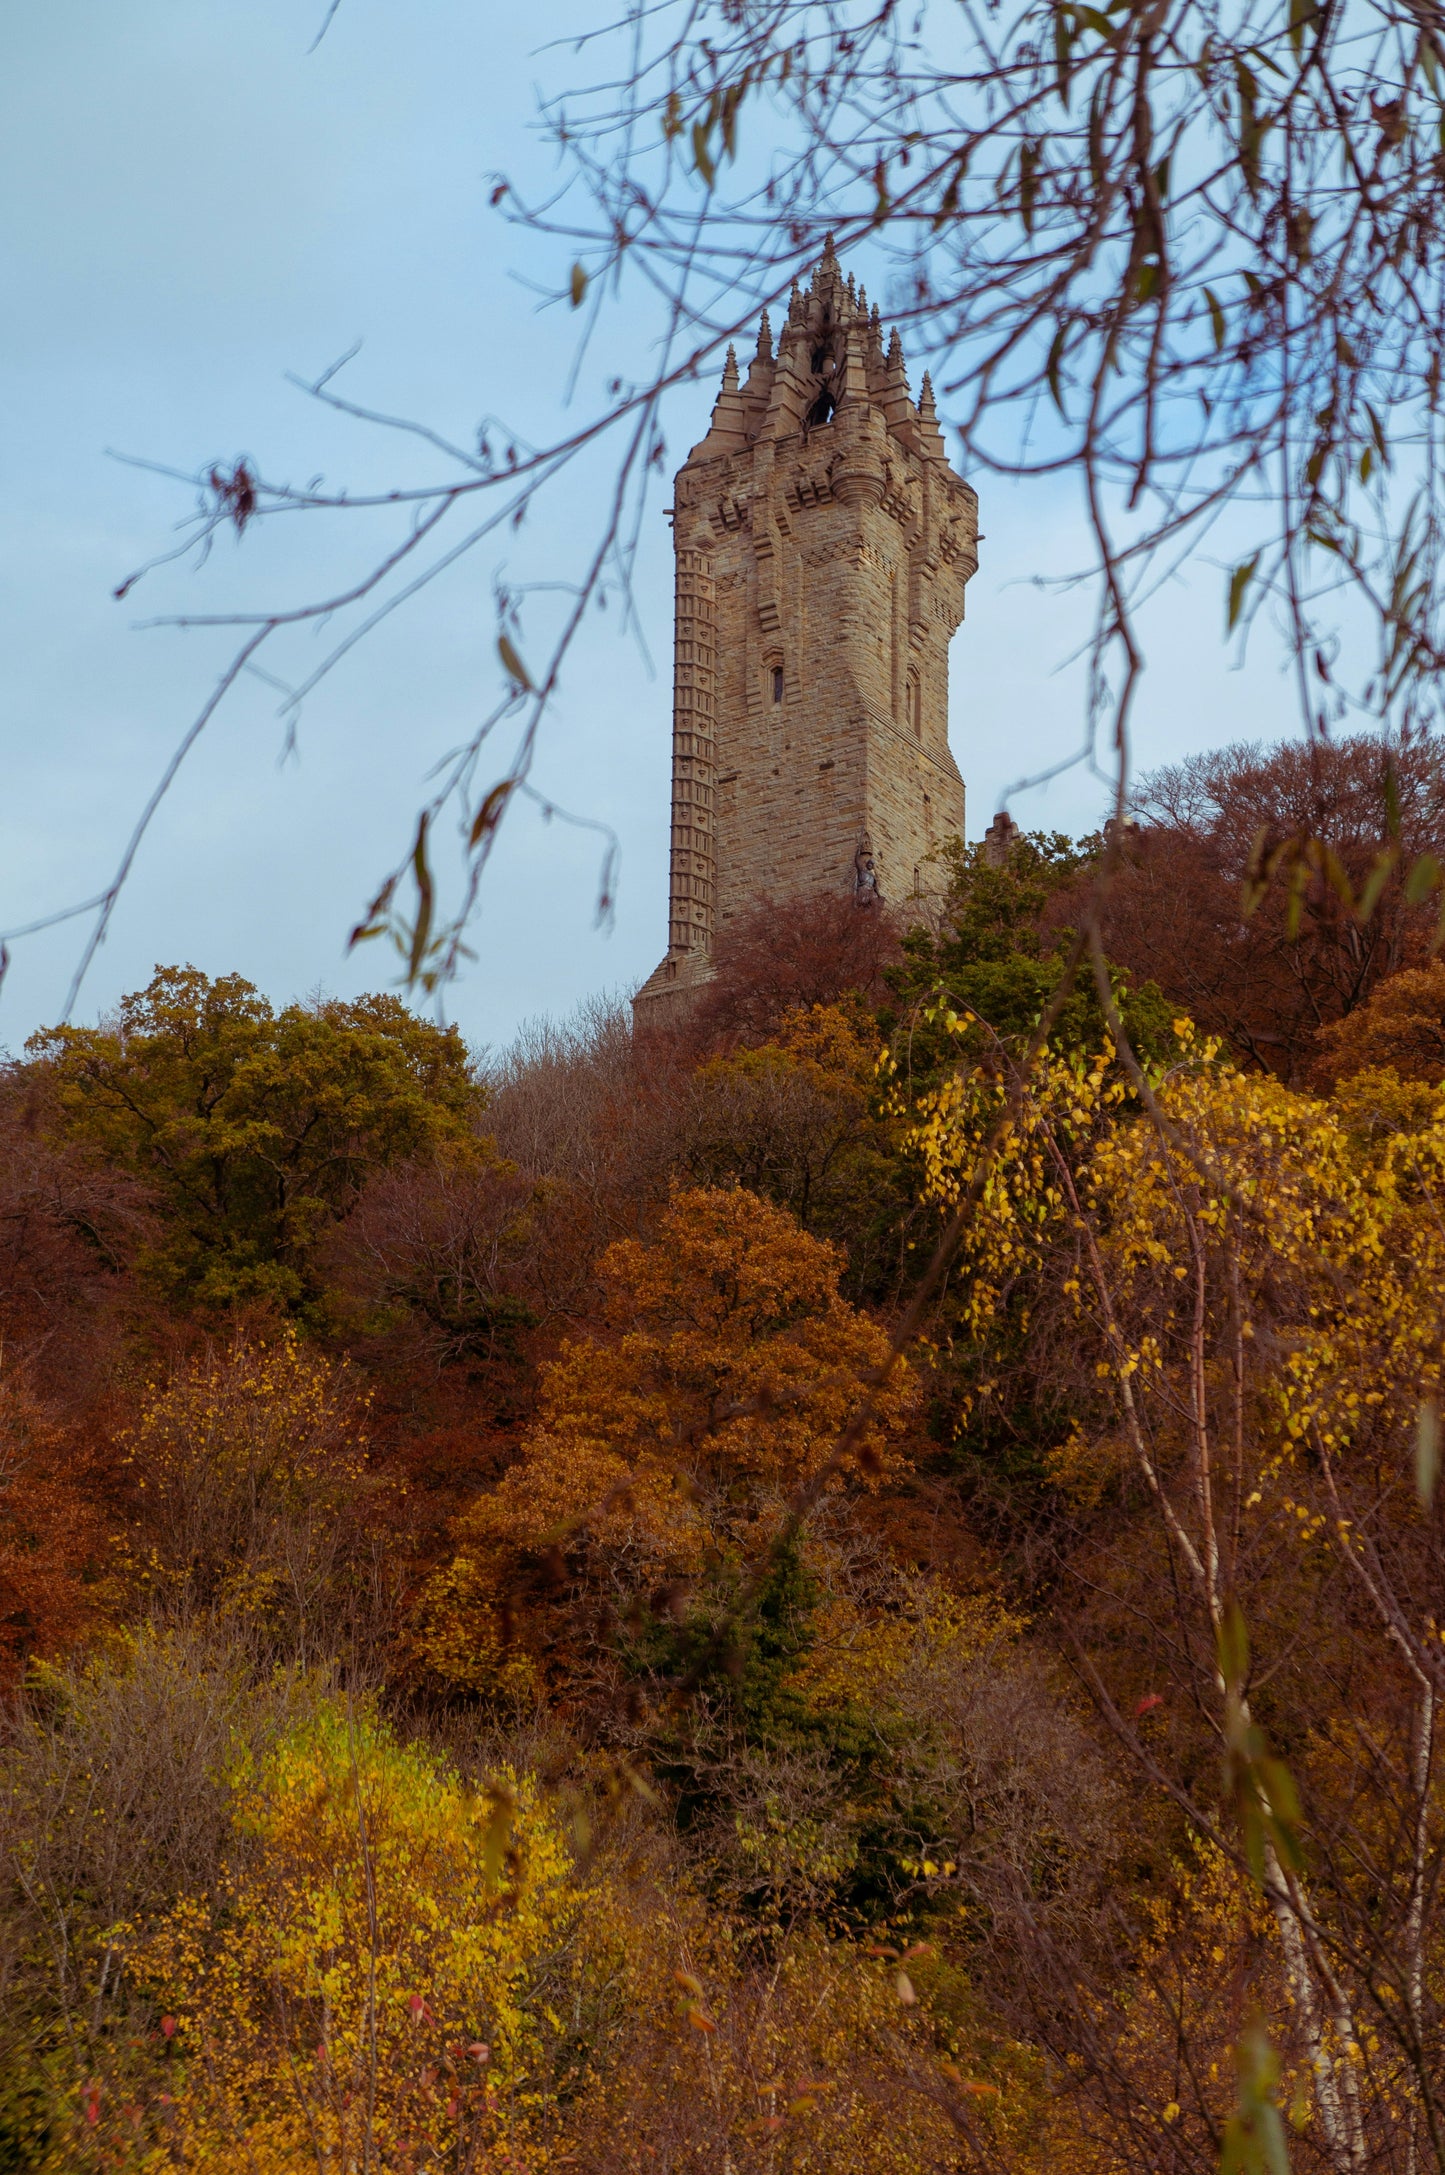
(823, 543)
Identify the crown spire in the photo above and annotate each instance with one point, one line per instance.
(853, 386)
(930, 436)
(827, 280)
(728, 431)
(899, 412)
(786, 399)
(761, 372)
(828, 355)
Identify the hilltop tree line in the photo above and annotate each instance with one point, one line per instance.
(502, 1667)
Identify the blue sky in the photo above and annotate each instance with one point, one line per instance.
(196, 206)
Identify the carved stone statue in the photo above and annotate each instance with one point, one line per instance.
(865, 876)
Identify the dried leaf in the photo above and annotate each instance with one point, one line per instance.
(489, 815)
(1239, 582)
(1216, 317)
(512, 664)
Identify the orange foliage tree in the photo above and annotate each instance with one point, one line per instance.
(728, 1368)
(54, 1541)
(1402, 1028)
(789, 1118)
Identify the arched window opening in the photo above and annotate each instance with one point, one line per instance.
(777, 683)
(825, 367)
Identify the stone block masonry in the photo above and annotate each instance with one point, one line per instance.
(823, 544)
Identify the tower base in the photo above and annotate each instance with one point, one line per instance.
(666, 996)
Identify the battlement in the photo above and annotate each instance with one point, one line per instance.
(823, 546)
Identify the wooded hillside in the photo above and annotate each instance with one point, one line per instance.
(506, 1666)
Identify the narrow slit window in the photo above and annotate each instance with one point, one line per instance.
(777, 683)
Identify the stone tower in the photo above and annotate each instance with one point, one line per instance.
(823, 543)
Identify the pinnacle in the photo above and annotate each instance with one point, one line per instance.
(873, 342)
(827, 274)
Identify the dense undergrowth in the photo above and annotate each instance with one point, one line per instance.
(464, 1709)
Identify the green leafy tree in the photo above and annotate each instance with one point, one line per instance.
(257, 1128)
(1000, 951)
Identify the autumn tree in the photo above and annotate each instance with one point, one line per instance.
(254, 1503)
(115, 1777)
(1401, 1029)
(805, 2058)
(72, 1229)
(256, 1128)
(797, 1118)
(727, 1370)
(288, 1930)
(449, 1258)
(363, 1984)
(988, 920)
(59, 1552)
(1255, 1286)
(1240, 891)
(587, 1111)
(789, 955)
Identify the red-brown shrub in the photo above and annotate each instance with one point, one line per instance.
(788, 955)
